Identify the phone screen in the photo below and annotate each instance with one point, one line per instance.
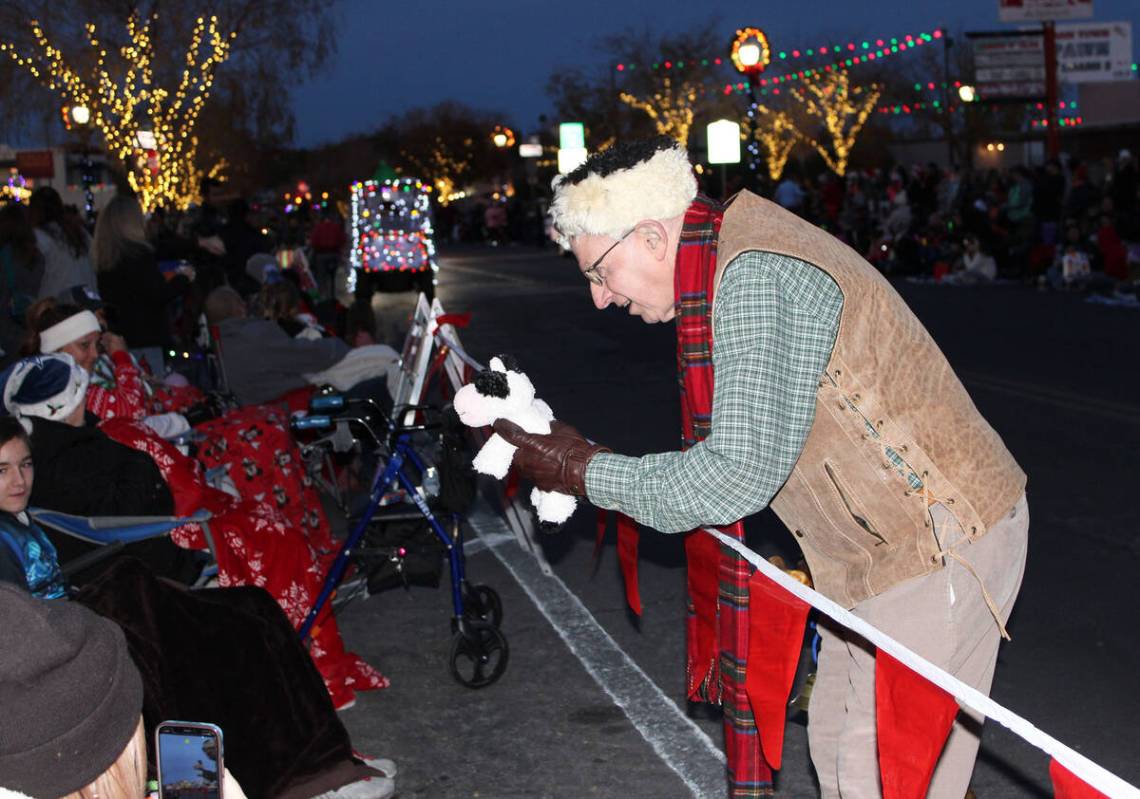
(189, 763)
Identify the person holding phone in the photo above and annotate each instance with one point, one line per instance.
(72, 724)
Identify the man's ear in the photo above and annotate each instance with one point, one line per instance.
(655, 236)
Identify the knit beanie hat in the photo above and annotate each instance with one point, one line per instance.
(48, 386)
(71, 696)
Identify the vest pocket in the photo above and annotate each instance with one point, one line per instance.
(847, 498)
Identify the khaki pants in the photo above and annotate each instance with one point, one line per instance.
(941, 616)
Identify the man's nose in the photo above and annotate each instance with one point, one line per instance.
(601, 295)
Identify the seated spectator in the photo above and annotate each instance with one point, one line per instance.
(281, 302)
(253, 444)
(122, 468)
(79, 714)
(130, 280)
(125, 482)
(72, 721)
(974, 267)
(263, 363)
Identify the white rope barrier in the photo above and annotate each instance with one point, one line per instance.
(459, 351)
(1095, 775)
(1103, 780)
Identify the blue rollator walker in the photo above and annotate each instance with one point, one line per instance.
(479, 651)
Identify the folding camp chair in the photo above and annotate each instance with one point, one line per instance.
(112, 533)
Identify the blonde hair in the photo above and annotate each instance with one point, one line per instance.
(125, 778)
(121, 225)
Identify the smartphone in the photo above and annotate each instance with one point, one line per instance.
(190, 764)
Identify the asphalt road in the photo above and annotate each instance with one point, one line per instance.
(593, 703)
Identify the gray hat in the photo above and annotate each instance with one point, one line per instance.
(71, 696)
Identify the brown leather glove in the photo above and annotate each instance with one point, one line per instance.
(554, 462)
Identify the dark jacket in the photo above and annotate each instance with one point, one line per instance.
(263, 361)
(80, 470)
(138, 295)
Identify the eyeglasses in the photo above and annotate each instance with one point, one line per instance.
(592, 274)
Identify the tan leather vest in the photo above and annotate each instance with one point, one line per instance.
(862, 529)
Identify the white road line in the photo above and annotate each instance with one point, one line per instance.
(677, 740)
(489, 541)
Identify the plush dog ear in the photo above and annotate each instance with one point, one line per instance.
(496, 365)
(509, 361)
(492, 384)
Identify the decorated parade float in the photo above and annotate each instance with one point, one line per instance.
(392, 246)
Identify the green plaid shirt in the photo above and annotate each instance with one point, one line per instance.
(776, 320)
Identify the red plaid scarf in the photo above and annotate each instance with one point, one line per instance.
(717, 576)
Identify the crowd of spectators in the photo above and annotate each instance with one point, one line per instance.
(109, 409)
(1067, 223)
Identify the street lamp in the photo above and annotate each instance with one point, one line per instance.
(750, 51)
(502, 137)
(81, 116)
(967, 93)
(750, 55)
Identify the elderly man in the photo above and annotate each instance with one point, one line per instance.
(832, 404)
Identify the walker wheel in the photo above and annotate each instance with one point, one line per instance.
(479, 654)
(482, 603)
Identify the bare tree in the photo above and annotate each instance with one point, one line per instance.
(277, 43)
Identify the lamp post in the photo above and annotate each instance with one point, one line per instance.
(81, 117)
(503, 137)
(968, 95)
(750, 56)
(947, 117)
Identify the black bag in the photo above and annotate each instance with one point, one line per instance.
(402, 554)
(457, 481)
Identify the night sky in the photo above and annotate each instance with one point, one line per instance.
(395, 55)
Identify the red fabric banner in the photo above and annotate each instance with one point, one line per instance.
(603, 518)
(702, 555)
(627, 539)
(1067, 785)
(453, 319)
(776, 633)
(914, 717)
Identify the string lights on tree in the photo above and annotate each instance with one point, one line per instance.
(671, 107)
(444, 169)
(843, 110)
(125, 100)
(777, 133)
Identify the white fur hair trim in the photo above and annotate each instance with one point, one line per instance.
(70, 329)
(659, 188)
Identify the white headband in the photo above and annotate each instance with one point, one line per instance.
(70, 329)
(661, 187)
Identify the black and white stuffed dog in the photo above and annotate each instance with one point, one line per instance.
(504, 392)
